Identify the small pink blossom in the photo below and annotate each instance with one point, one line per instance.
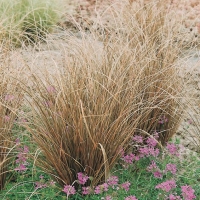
(152, 166)
(131, 198)
(151, 142)
(9, 97)
(52, 183)
(108, 198)
(171, 167)
(7, 118)
(188, 192)
(82, 178)
(105, 187)
(138, 139)
(157, 174)
(173, 197)
(17, 141)
(41, 176)
(129, 158)
(126, 186)
(86, 190)
(21, 168)
(69, 189)
(163, 120)
(113, 180)
(172, 149)
(98, 190)
(166, 186)
(39, 185)
(51, 89)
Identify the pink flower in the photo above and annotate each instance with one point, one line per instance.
(21, 168)
(41, 177)
(128, 158)
(166, 186)
(172, 149)
(108, 198)
(171, 168)
(125, 186)
(86, 190)
(188, 192)
(82, 178)
(51, 89)
(7, 118)
(163, 120)
(26, 149)
(39, 185)
(17, 141)
(151, 142)
(157, 174)
(9, 97)
(69, 189)
(173, 197)
(98, 190)
(131, 198)
(113, 180)
(144, 151)
(105, 187)
(152, 166)
(138, 139)
(52, 183)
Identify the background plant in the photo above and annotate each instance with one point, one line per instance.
(27, 20)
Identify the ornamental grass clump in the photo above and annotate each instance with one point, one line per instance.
(10, 100)
(150, 32)
(82, 116)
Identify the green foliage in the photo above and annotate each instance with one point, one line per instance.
(27, 20)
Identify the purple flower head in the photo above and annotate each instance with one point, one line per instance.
(188, 192)
(113, 180)
(152, 166)
(41, 176)
(51, 89)
(163, 120)
(105, 187)
(86, 190)
(126, 186)
(138, 139)
(39, 185)
(171, 167)
(157, 174)
(128, 158)
(21, 168)
(173, 197)
(9, 97)
(98, 190)
(166, 186)
(172, 149)
(6, 118)
(69, 189)
(151, 142)
(82, 179)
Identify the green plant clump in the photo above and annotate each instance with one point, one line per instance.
(27, 20)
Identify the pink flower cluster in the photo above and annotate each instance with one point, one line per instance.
(22, 159)
(82, 179)
(187, 192)
(163, 120)
(166, 186)
(131, 198)
(172, 149)
(69, 190)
